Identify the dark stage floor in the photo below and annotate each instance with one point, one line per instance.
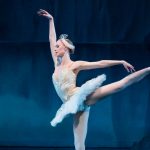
(60, 148)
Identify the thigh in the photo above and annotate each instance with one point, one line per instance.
(80, 126)
(103, 92)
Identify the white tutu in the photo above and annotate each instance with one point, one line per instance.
(76, 102)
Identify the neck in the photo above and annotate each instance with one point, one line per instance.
(63, 60)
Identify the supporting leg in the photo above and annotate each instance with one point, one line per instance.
(80, 126)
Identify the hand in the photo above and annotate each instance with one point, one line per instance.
(44, 13)
(128, 66)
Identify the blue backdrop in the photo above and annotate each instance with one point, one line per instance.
(100, 29)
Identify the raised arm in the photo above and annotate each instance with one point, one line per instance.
(52, 33)
(83, 65)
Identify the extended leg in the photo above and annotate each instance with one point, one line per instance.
(80, 126)
(109, 89)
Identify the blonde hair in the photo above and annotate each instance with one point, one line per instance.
(68, 43)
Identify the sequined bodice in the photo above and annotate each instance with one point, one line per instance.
(65, 85)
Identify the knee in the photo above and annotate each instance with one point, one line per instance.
(121, 85)
(79, 146)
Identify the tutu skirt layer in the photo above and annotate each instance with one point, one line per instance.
(76, 102)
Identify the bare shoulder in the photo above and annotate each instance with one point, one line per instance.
(76, 64)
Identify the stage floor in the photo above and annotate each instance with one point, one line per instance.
(59, 148)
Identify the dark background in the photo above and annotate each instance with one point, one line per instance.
(100, 29)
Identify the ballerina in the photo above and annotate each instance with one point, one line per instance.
(78, 100)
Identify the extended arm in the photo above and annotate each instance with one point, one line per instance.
(83, 65)
(52, 38)
(52, 32)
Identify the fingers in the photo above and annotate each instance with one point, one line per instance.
(42, 12)
(39, 13)
(131, 69)
(127, 69)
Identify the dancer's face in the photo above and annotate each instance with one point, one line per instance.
(60, 48)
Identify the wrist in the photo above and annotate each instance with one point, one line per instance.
(50, 18)
(122, 62)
